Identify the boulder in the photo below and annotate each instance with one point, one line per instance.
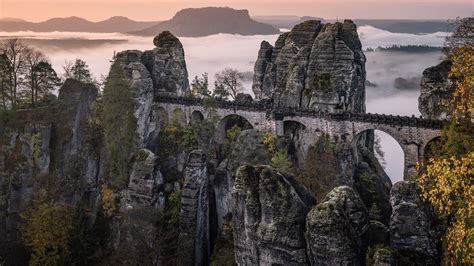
(413, 226)
(269, 214)
(243, 98)
(314, 66)
(336, 229)
(436, 90)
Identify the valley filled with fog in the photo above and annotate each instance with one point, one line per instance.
(393, 75)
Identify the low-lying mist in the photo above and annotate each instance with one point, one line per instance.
(213, 53)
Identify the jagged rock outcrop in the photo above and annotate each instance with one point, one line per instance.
(413, 229)
(336, 229)
(145, 180)
(194, 237)
(25, 153)
(151, 73)
(269, 217)
(314, 66)
(76, 160)
(248, 148)
(436, 90)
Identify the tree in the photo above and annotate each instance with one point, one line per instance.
(14, 52)
(5, 82)
(199, 86)
(119, 124)
(461, 36)
(228, 83)
(40, 77)
(78, 70)
(47, 232)
(447, 181)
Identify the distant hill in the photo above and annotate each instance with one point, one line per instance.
(286, 22)
(408, 26)
(76, 24)
(12, 20)
(196, 22)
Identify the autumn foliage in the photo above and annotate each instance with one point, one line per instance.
(447, 181)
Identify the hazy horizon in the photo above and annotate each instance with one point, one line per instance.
(149, 10)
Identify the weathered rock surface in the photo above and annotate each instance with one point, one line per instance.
(315, 66)
(193, 243)
(24, 155)
(151, 73)
(269, 217)
(336, 229)
(413, 229)
(436, 90)
(145, 180)
(248, 148)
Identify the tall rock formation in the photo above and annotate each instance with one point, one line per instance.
(269, 217)
(413, 229)
(153, 73)
(314, 66)
(336, 229)
(194, 235)
(436, 90)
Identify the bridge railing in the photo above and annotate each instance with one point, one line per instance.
(298, 111)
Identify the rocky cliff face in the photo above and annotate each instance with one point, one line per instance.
(314, 66)
(413, 228)
(194, 233)
(337, 229)
(436, 90)
(151, 73)
(269, 217)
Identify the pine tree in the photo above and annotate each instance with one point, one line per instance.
(119, 124)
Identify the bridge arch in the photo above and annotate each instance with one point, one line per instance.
(432, 147)
(227, 123)
(388, 151)
(162, 115)
(178, 116)
(196, 118)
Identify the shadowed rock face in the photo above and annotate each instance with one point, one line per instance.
(314, 66)
(194, 236)
(413, 229)
(269, 215)
(337, 229)
(436, 89)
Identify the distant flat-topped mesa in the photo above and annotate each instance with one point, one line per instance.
(314, 66)
(196, 22)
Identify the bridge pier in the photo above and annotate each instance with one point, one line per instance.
(412, 156)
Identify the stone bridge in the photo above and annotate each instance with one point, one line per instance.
(412, 133)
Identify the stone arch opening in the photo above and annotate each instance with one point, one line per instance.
(432, 148)
(162, 115)
(382, 152)
(178, 117)
(294, 131)
(196, 118)
(228, 125)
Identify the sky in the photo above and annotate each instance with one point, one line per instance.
(152, 10)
